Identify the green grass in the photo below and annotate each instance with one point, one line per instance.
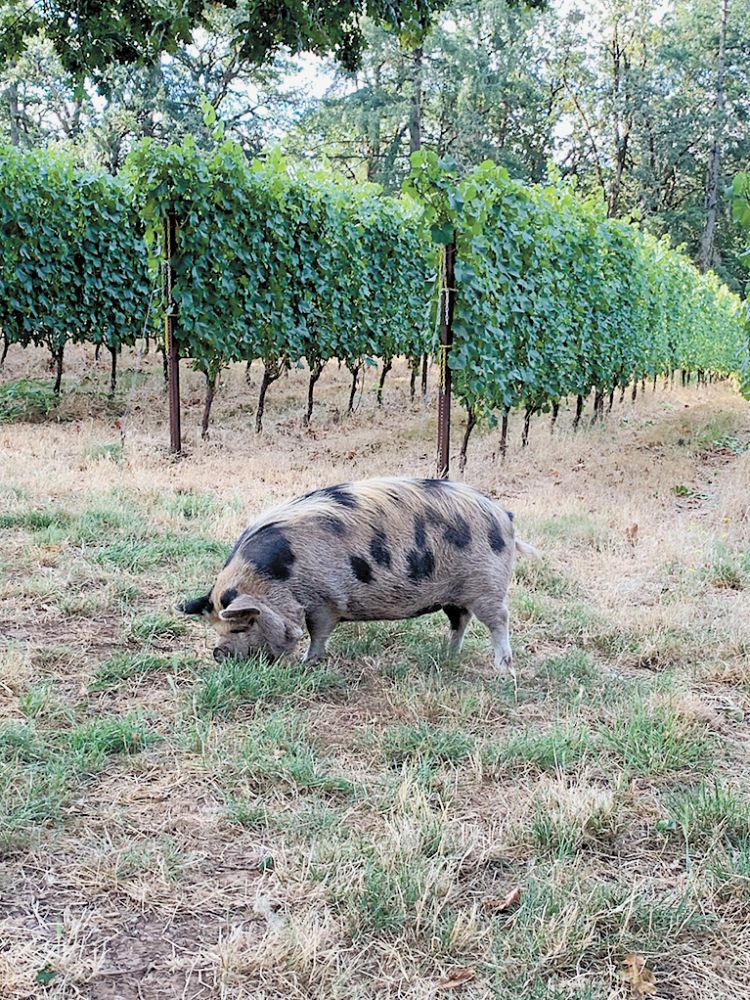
(156, 625)
(235, 684)
(35, 520)
(556, 749)
(110, 452)
(657, 741)
(426, 743)
(40, 770)
(125, 666)
(711, 814)
(102, 737)
(277, 755)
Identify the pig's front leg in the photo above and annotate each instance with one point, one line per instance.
(320, 623)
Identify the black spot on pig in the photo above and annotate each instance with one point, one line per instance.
(426, 611)
(455, 614)
(495, 538)
(379, 549)
(269, 551)
(420, 564)
(458, 534)
(361, 569)
(434, 485)
(198, 606)
(420, 531)
(510, 514)
(227, 597)
(334, 525)
(339, 494)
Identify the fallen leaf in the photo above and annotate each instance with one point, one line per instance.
(632, 533)
(500, 904)
(635, 972)
(455, 978)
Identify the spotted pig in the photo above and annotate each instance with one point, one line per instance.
(377, 549)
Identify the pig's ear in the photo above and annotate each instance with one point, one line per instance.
(198, 606)
(243, 606)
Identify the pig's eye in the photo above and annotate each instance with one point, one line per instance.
(234, 631)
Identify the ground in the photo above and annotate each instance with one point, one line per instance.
(389, 824)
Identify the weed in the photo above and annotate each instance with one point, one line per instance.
(26, 399)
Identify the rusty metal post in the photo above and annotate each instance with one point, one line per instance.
(170, 345)
(446, 303)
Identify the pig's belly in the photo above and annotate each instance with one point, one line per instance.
(393, 603)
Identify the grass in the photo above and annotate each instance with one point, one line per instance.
(277, 754)
(426, 743)
(126, 666)
(236, 684)
(557, 749)
(351, 828)
(657, 741)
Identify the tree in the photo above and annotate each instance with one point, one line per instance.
(471, 88)
(90, 38)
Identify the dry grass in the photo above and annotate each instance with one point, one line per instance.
(173, 829)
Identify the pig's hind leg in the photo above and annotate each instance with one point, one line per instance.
(459, 619)
(495, 617)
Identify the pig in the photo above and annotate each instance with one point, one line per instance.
(379, 549)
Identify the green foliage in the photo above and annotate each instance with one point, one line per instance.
(555, 299)
(25, 399)
(73, 265)
(280, 265)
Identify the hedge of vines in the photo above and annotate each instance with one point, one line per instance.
(556, 300)
(282, 266)
(73, 265)
(553, 299)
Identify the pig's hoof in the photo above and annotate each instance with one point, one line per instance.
(504, 666)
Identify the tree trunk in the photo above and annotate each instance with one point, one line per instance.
(526, 426)
(555, 414)
(425, 363)
(622, 393)
(504, 436)
(315, 373)
(654, 383)
(112, 371)
(165, 367)
(208, 402)
(634, 393)
(387, 365)
(598, 406)
(714, 158)
(97, 352)
(6, 345)
(579, 411)
(58, 356)
(355, 378)
(415, 106)
(413, 372)
(11, 92)
(270, 374)
(470, 424)
(611, 399)
(248, 375)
